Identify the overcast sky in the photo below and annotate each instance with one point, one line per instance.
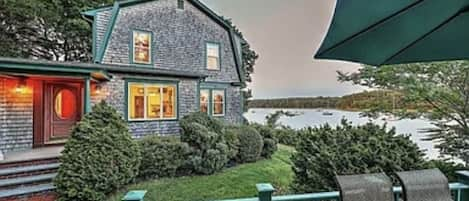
(286, 34)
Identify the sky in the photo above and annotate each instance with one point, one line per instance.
(286, 34)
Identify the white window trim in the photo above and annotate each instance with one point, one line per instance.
(207, 56)
(150, 48)
(145, 94)
(213, 102)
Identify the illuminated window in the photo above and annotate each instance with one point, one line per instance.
(152, 101)
(142, 47)
(204, 100)
(213, 56)
(218, 101)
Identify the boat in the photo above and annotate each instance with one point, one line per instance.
(327, 113)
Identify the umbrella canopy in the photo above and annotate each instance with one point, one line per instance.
(380, 32)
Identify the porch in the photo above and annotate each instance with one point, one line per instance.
(37, 154)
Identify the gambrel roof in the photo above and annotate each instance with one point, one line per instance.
(210, 13)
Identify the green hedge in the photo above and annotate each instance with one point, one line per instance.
(250, 144)
(99, 157)
(269, 139)
(162, 156)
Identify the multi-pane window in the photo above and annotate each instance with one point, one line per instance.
(213, 56)
(142, 41)
(218, 101)
(212, 101)
(204, 100)
(152, 101)
(181, 4)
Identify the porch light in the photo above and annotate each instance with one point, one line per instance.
(98, 89)
(21, 86)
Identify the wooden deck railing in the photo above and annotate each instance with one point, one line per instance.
(460, 192)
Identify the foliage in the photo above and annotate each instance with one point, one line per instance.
(204, 134)
(46, 29)
(250, 144)
(162, 156)
(236, 182)
(269, 139)
(295, 103)
(324, 152)
(272, 119)
(99, 157)
(287, 136)
(443, 88)
(232, 141)
(448, 168)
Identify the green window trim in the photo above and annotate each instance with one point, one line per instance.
(181, 4)
(129, 82)
(207, 43)
(211, 103)
(132, 48)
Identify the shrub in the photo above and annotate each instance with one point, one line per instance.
(209, 152)
(162, 156)
(232, 141)
(99, 157)
(270, 141)
(324, 152)
(287, 136)
(448, 168)
(250, 144)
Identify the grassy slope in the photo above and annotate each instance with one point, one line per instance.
(237, 182)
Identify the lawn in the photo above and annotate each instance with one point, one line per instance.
(237, 182)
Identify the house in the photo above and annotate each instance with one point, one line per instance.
(154, 61)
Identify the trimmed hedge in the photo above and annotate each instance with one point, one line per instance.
(232, 141)
(325, 151)
(250, 144)
(99, 157)
(270, 141)
(162, 156)
(287, 136)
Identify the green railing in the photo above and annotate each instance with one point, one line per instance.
(460, 192)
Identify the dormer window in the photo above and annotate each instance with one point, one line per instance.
(213, 56)
(142, 41)
(181, 4)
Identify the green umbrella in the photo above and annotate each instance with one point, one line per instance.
(380, 32)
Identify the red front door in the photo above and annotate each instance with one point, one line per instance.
(63, 108)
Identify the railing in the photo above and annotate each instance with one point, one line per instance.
(459, 190)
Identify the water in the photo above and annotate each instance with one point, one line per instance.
(314, 117)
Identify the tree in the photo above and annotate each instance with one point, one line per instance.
(440, 88)
(46, 29)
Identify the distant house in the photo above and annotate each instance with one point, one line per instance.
(154, 61)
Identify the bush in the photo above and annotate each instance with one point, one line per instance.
(232, 141)
(270, 141)
(209, 152)
(99, 157)
(287, 136)
(448, 168)
(325, 152)
(162, 156)
(250, 144)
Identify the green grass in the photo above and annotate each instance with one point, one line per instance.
(237, 182)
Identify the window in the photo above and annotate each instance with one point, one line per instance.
(218, 101)
(152, 101)
(213, 56)
(181, 4)
(204, 100)
(142, 41)
(212, 101)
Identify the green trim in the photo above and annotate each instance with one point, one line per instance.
(131, 48)
(181, 4)
(87, 97)
(237, 58)
(93, 49)
(107, 36)
(213, 87)
(219, 55)
(152, 81)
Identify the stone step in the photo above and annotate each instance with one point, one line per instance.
(26, 190)
(35, 179)
(28, 162)
(25, 170)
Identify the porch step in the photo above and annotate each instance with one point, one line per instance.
(28, 169)
(20, 181)
(26, 190)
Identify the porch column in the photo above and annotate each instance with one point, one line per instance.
(87, 97)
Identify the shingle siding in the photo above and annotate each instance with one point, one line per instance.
(16, 118)
(102, 21)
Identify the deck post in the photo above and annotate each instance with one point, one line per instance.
(265, 192)
(463, 177)
(87, 97)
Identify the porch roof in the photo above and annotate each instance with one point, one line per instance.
(96, 71)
